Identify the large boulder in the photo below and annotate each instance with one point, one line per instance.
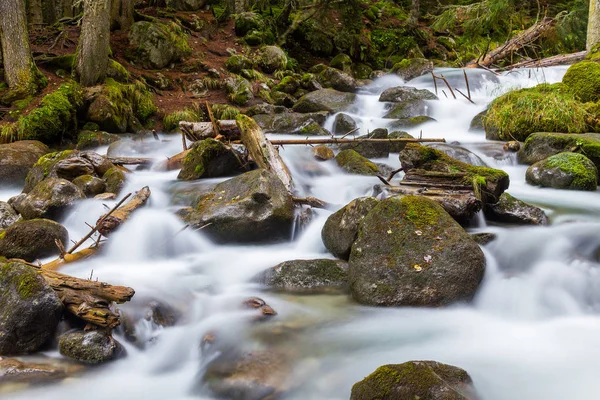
(583, 81)
(92, 139)
(30, 309)
(185, 5)
(155, 45)
(564, 171)
(338, 80)
(289, 122)
(246, 22)
(343, 124)
(239, 90)
(407, 102)
(8, 215)
(252, 207)
(341, 228)
(512, 210)
(410, 252)
(353, 163)
(49, 199)
(272, 58)
(540, 146)
(209, 159)
(91, 347)
(236, 63)
(307, 276)
(32, 239)
(17, 158)
(90, 185)
(425, 380)
(397, 147)
(411, 68)
(115, 180)
(370, 149)
(329, 100)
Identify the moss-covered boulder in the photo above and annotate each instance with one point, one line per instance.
(407, 102)
(32, 239)
(353, 163)
(411, 68)
(343, 62)
(341, 228)
(44, 168)
(540, 146)
(289, 122)
(370, 149)
(90, 185)
(583, 81)
(17, 158)
(272, 58)
(209, 159)
(91, 140)
(54, 119)
(564, 171)
(407, 123)
(343, 124)
(288, 84)
(185, 5)
(246, 22)
(91, 347)
(30, 309)
(239, 90)
(544, 108)
(410, 252)
(115, 180)
(252, 207)
(236, 63)
(154, 45)
(514, 211)
(325, 100)
(322, 153)
(8, 215)
(489, 183)
(307, 276)
(49, 199)
(338, 80)
(423, 380)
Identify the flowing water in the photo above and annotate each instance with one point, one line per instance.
(532, 332)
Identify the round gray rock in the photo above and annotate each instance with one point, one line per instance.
(32, 239)
(91, 347)
(49, 199)
(303, 276)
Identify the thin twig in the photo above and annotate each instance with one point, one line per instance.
(394, 173)
(383, 180)
(348, 133)
(465, 96)
(468, 86)
(434, 83)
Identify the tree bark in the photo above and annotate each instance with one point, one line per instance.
(20, 71)
(593, 28)
(94, 42)
(121, 14)
(35, 13)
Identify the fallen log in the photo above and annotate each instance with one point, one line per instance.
(332, 140)
(560, 59)
(262, 151)
(130, 160)
(514, 44)
(70, 258)
(195, 131)
(87, 299)
(108, 223)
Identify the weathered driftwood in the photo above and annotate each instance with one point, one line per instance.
(514, 44)
(264, 154)
(130, 160)
(561, 59)
(108, 223)
(310, 201)
(171, 163)
(332, 140)
(195, 131)
(87, 299)
(69, 258)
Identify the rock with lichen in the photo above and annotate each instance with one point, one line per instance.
(49, 199)
(512, 210)
(209, 159)
(17, 158)
(32, 239)
(90, 347)
(307, 276)
(564, 171)
(354, 163)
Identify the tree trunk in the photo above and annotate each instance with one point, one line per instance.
(35, 14)
(121, 15)
(20, 71)
(94, 42)
(414, 13)
(593, 28)
(238, 6)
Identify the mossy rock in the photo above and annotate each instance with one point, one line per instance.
(583, 81)
(91, 347)
(343, 62)
(369, 149)
(325, 100)
(49, 199)
(16, 159)
(477, 122)
(185, 5)
(43, 167)
(209, 159)
(361, 71)
(338, 80)
(564, 171)
(282, 99)
(410, 252)
(353, 163)
(341, 228)
(54, 119)
(252, 207)
(156, 45)
(265, 108)
(288, 84)
(92, 139)
(594, 53)
(171, 121)
(8, 215)
(239, 90)
(544, 108)
(90, 185)
(397, 147)
(307, 276)
(117, 71)
(236, 63)
(322, 153)
(490, 183)
(410, 68)
(424, 380)
(459, 153)
(407, 102)
(289, 122)
(30, 309)
(409, 123)
(115, 180)
(272, 58)
(514, 211)
(32, 239)
(343, 124)
(246, 22)
(540, 146)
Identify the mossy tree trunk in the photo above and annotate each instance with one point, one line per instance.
(593, 29)
(414, 13)
(238, 6)
(35, 14)
(122, 14)
(94, 42)
(20, 72)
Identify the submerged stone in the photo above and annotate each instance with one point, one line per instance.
(307, 276)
